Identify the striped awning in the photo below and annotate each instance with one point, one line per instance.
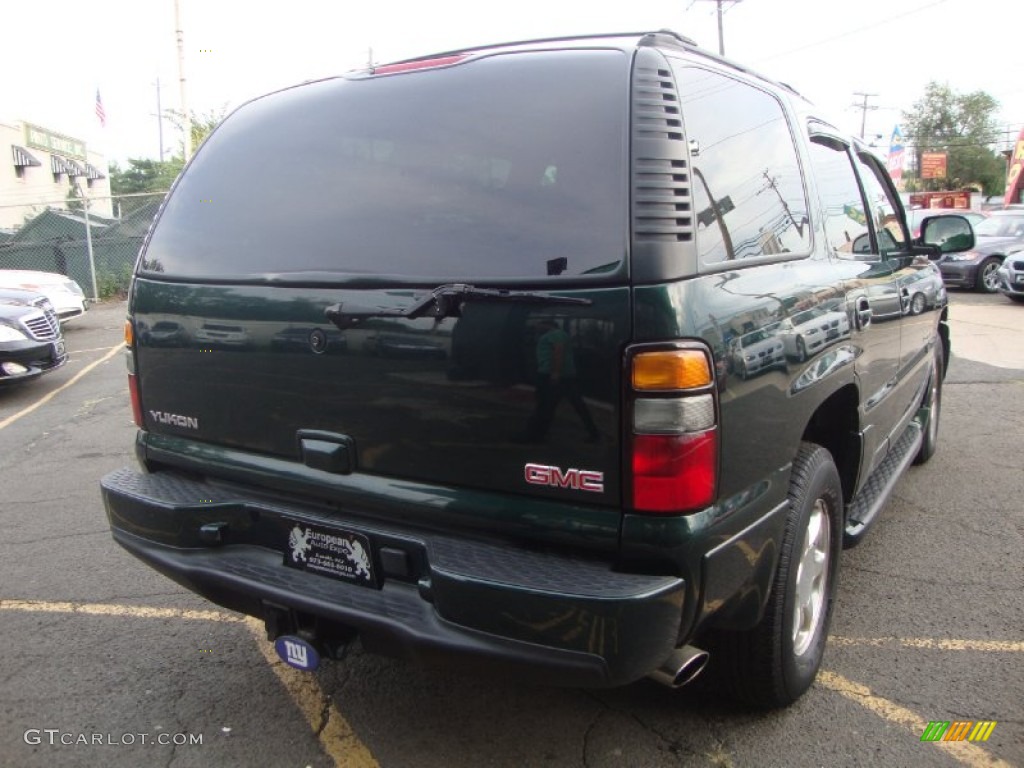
(22, 158)
(61, 165)
(92, 173)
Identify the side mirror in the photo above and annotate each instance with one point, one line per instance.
(949, 233)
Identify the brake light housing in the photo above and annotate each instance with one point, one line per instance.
(133, 382)
(673, 428)
(417, 64)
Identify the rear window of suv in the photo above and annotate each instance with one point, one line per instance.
(510, 166)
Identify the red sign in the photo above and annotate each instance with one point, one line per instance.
(1015, 177)
(933, 165)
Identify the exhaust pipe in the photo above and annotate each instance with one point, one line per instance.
(681, 667)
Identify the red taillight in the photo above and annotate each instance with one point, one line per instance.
(409, 66)
(133, 392)
(674, 473)
(675, 429)
(133, 382)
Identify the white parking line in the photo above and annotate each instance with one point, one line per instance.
(48, 397)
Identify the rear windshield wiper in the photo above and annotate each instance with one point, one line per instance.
(443, 301)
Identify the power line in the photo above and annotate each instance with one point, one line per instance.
(858, 30)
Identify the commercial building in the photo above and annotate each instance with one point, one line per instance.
(41, 168)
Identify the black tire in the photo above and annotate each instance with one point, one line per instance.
(917, 304)
(987, 280)
(1018, 299)
(933, 401)
(801, 349)
(773, 664)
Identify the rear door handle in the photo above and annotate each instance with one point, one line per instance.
(863, 313)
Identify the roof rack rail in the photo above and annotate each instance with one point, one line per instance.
(565, 38)
(674, 36)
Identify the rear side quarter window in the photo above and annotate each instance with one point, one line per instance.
(748, 189)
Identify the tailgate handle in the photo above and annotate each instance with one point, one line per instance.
(327, 451)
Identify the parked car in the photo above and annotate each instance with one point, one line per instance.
(998, 236)
(808, 331)
(216, 334)
(404, 345)
(917, 215)
(921, 288)
(65, 294)
(31, 342)
(586, 219)
(1011, 278)
(757, 352)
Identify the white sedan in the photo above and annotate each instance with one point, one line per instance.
(64, 293)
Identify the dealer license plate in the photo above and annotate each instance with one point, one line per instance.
(337, 554)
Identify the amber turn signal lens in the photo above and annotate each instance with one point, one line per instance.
(129, 334)
(671, 370)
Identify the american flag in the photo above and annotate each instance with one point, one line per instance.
(99, 110)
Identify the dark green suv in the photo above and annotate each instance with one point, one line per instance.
(542, 447)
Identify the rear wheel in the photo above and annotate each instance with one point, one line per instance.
(917, 304)
(988, 276)
(773, 664)
(933, 402)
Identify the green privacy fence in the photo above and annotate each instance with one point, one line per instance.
(55, 240)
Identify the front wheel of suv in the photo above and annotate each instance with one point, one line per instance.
(988, 276)
(772, 664)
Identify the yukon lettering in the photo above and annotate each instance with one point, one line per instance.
(577, 479)
(175, 420)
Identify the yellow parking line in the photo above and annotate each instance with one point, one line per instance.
(962, 751)
(336, 736)
(83, 351)
(989, 646)
(47, 398)
(102, 609)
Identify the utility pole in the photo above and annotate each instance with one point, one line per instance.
(864, 107)
(159, 119)
(180, 34)
(721, 36)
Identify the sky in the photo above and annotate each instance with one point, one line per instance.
(235, 50)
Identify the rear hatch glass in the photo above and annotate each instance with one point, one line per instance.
(510, 166)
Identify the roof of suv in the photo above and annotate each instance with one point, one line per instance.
(624, 41)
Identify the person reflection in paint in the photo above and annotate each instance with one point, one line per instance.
(556, 378)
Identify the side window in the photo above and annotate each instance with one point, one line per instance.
(883, 208)
(846, 224)
(748, 192)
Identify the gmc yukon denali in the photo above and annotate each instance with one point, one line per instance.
(461, 366)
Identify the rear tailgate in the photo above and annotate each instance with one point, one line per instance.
(456, 402)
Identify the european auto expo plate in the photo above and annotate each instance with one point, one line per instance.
(338, 554)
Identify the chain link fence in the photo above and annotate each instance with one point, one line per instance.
(54, 237)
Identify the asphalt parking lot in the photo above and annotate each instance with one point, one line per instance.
(105, 661)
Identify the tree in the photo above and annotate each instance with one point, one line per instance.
(142, 175)
(201, 124)
(964, 127)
